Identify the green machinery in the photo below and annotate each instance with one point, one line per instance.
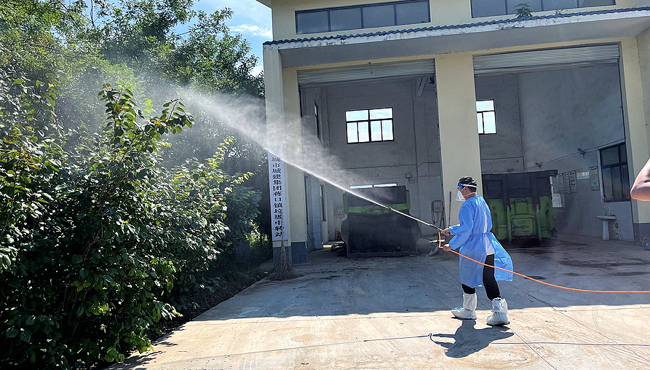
(521, 204)
(371, 230)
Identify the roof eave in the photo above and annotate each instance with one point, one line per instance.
(463, 38)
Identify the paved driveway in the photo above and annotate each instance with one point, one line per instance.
(393, 313)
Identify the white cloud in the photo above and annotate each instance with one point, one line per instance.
(250, 18)
(245, 11)
(253, 30)
(257, 70)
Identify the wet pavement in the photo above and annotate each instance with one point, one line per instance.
(393, 313)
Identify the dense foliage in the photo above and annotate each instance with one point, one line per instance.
(110, 219)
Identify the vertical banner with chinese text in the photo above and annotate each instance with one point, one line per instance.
(278, 198)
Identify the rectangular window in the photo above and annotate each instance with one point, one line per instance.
(616, 182)
(411, 12)
(491, 8)
(369, 125)
(486, 117)
(378, 16)
(323, 210)
(560, 4)
(488, 8)
(363, 16)
(345, 19)
(312, 21)
(317, 119)
(307, 199)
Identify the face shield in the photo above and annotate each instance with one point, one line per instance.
(459, 194)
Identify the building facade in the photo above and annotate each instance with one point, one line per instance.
(419, 93)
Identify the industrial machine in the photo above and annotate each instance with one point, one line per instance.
(371, 230)
(521, 204)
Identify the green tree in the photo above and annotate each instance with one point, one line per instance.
(98, 235)
(96, 239)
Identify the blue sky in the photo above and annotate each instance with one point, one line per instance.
(250, 18)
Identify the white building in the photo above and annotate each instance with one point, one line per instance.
(566, 90)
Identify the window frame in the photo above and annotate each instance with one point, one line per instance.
(367, 122)
(481, 131)
(607, 176)
(361, 7)
(506, 4)
(323, 204)
(317, 121)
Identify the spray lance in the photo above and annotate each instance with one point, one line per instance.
(440, 235)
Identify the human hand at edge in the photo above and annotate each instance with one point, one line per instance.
(446, 232)
(641, 187)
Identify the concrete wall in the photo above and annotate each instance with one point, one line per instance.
(501, 152)
(568, 109)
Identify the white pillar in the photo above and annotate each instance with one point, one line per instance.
(283, 121)
(459, 143)
(635, 81)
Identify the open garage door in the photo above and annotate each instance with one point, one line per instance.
(557, 110)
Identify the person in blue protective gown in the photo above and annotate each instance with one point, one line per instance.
(474, 239)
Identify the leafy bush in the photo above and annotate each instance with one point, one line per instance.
(95, 238)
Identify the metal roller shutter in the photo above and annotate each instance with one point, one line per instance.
(526, 61)
(367, 71)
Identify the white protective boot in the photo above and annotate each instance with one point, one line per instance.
(499, 313)
(468, 311)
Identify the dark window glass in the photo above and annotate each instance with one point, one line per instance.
(560, 4)
(323, 209)
(317, 119)
(378, 16)
(312, 22)
(616, 181)
(345, 19)
(617, 189)
(535, 5)
(410, 13)
(625, 182)
(307, 199)
(609, 156)
(488, 8)
(608, 192)
(621, 153)
(588, 3)
(363, 16)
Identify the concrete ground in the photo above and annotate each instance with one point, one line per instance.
(393, 313)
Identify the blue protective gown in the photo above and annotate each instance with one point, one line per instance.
(475, 240)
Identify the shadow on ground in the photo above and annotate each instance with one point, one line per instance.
(468, 340)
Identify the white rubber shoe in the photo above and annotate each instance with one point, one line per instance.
(468, 311)
(499, 313)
